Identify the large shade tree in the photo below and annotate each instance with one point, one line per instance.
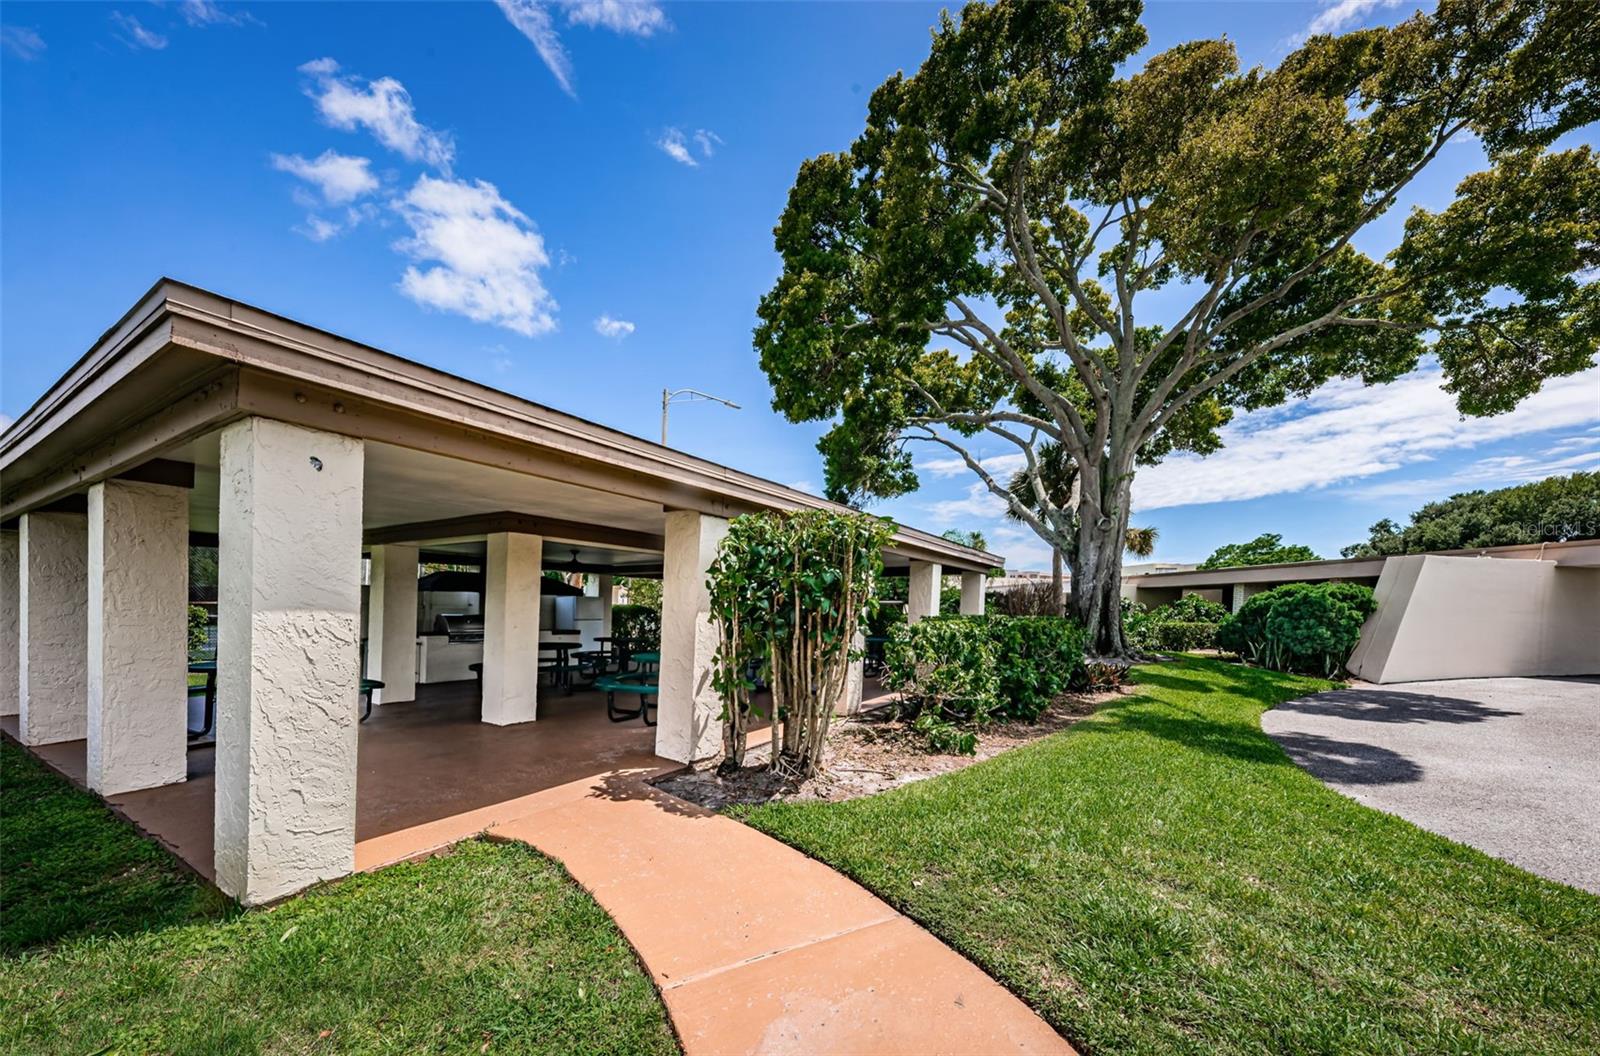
(1027, 247)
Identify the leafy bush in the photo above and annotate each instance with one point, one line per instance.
(639, 622)
(1302, 627)
(199, 631)
(1181, 636)
(1036, 658)
(967, 669)
(944, 666)
(1188, 623)
(1192, 608)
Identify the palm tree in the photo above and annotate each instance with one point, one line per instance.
(1059, 475)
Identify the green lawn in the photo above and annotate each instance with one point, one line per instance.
(1161, 878)
(108, 947)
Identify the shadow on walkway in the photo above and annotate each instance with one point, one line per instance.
(1386, 705)
(1347, 762)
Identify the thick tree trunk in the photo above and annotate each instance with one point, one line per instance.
(1096, 561)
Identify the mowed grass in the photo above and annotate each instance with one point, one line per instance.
(110, 948)
(1162, 879)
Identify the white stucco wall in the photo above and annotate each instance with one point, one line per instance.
(1480, 617)
(53, 613)
(512, 572)
(289, 562)
(922, 592)
(10, 629)
(138, 636)
(688, 725)
(392, 624)
(972, 599)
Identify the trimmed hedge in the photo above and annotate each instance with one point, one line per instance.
(1181, 637)
(972, 666)
(1309, 628)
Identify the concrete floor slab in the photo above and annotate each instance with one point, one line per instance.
(759, 949)
(1506, 765)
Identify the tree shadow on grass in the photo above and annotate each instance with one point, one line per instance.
(1219, 676)
(1385, 705)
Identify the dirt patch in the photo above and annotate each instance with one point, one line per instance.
(866, 754)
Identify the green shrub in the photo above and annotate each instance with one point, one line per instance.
(944, 666)
(1036, 658)
(960, 671)
(639, 622)
(199, 631)
(1302, 627)
(1191, 608)
(1183, 636)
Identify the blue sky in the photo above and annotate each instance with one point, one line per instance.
(574, 202)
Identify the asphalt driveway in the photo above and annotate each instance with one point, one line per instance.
(1510, 766)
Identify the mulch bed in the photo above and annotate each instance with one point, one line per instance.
(867, 754)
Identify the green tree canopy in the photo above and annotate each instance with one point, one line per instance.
(1028, 246)
(1543, 511)
(1265, 549)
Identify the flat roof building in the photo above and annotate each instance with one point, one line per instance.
(197, 418)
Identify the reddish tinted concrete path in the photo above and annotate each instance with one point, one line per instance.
(759, 949)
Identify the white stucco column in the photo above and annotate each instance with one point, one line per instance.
(288, 644)
(922, 594)
(10, 630)
(855, 679)
(53, 617)
(689, 728)
(138, 636)
(606, 586)
(511, 628)
(972, 584)
(392, 624)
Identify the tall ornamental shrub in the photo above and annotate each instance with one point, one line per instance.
(1309, 628)
(789, 589)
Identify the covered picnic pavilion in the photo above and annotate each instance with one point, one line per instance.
(328, 474)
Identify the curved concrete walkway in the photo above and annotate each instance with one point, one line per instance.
(757, 948)
(1506, 765)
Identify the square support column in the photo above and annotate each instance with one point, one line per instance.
(10, 626)
(689, 728)
(607, 588)
(138, 636)
(972, 584)
(288, 658)
(53, 616)
(392, 624)
(922, 594)
(854, 679)
(511, 628)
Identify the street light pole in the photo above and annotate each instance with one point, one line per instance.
(688, 396)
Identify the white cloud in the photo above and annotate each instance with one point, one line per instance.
(606, 326)
(201, 13)
(707, 141)
(998, 465)
(1338, 15)
(383, 107)
(638, 18)
(24, 43)
(1346, 431)
(1496, 472)
(318, 229)
(676, 147)
(979, 503)
(486, 255)
(341, 178)
(532, 20)
(135, 35)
